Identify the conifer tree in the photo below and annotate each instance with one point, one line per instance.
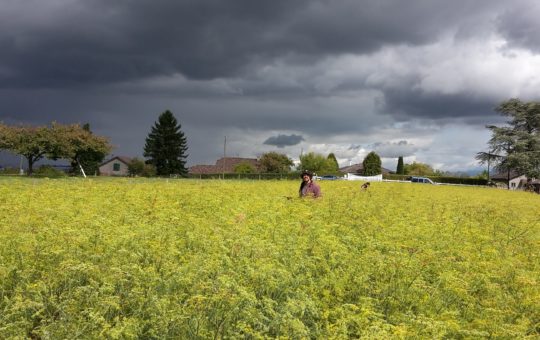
(400, 167)
(166, 146)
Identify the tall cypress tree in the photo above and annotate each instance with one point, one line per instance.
(400, 167)
(166, 146)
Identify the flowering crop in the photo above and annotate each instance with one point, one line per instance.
(125, 258)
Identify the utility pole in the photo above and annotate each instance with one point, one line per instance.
(21, 171)
(224, 155)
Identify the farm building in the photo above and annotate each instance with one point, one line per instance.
(358, 169)
(515, 181)
(116, 166)
(224, 165)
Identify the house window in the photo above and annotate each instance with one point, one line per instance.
(116, 167)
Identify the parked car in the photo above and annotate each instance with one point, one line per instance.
(328, 177)
(415, 179)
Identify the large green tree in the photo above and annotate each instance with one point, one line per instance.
(54, 142)
(372, 164)
(516, 146)
(244, 168)
(418, 169)
(138, 167)
(33, 143)
(166, 146)
(317, 163)
(332, 158)
(273, 162)
(89, 151)
(400, 170)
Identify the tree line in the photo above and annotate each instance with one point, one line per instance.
(515, 147)
(74, 143)
(165, 147)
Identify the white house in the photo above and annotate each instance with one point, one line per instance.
(116, 166)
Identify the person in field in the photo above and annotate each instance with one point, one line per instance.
(365, 186)
(308, 188)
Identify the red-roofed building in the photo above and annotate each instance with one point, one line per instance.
(224, 165)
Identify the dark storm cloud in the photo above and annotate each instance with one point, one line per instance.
(74, 43)
(282, 141)
(521, 27)
(405, 103)
(343, 71)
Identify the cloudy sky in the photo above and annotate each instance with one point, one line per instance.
(415, 78)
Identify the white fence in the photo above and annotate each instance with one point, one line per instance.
(352, 177)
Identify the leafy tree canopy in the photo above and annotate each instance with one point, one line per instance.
(273, 162)
(244, 168)
(516, 146)
(332, 158)
(138, 167)
(418, 169)
(372, 164)
(317, 163)
(55, 142)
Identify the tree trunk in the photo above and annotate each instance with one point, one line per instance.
(30, 165)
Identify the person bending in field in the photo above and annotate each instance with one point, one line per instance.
(365, 186)
(308, 188)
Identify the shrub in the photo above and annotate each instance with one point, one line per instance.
(48, 171)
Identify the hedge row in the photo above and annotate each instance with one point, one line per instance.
(291, 175)
(441, 179)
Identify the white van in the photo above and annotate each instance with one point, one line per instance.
(421, 180)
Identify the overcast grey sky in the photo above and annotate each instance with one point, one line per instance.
(414, 78)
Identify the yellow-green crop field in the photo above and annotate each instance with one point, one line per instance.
(191, 259)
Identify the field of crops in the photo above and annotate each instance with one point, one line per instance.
(126, 258)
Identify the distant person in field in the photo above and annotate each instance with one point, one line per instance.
(308, 188)
(365, 186)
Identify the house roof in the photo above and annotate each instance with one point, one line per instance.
(224, 164)
(358, 168)
(124, 159)
(503, 176)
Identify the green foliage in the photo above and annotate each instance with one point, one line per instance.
(166, 146)
(244, 168)
(187, 259)
(48, 171)
(251, 176)
(317, 163)
(89, 156)
(400, 170)
(31, 142)
(335, 165)
(70, 142)
(10, 171)
(138, 167)
(483, 175)
(372, 164)
(273, 162)
(516, 146)
(418, 169)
